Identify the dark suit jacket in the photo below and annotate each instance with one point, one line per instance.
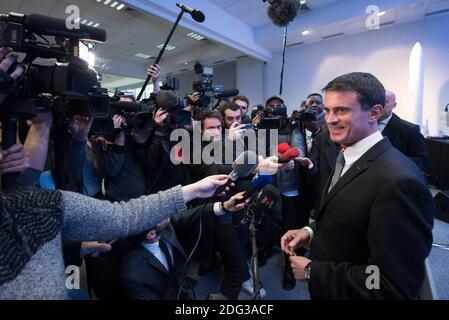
(379, 213)
(144, 276)
(407, 138)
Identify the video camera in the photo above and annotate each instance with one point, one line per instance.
(71, 83)
(271, 117)
(136, 119)
(205, 85)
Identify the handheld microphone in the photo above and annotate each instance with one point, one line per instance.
(264, 202)
(227, 94)
(197, 15)
(241, 168)
(291, 154)
(283, 147)
(259, 181)
(56, 27)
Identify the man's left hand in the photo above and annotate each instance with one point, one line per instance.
(298, 264)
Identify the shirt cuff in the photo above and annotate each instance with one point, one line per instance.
(311, 233)
(217, 209)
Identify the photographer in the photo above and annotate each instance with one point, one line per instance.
(243, 103)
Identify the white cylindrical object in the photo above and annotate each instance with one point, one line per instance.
(416, 84)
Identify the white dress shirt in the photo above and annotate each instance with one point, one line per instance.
(157, 252)
(383, 123)
(358, 149)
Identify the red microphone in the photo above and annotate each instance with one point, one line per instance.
(283, 147)
(290, 154)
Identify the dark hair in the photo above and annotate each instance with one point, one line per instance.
(243, 98)
(229, 106)
(206, 114)
(315, 94)
(369, 89)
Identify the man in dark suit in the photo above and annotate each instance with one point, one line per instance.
(403, 135)
(154, 269)
(373, 230)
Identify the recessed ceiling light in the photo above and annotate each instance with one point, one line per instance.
(84, 21)
(143, 55)
(186, 63)
(381, 13)
(114, 4)
(195, 36)
(120, 7)
(106, 2)
(90, 23)
(168, 47)
(96, 25)
(305, 32)
(302, 2)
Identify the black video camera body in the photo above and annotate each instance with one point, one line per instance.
(70, 81)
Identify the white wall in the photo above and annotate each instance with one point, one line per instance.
(250, 79)
(385, 53)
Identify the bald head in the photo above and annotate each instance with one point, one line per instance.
(390, 103)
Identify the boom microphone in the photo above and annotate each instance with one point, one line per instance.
(241, 168)
(197, 15)
(50, 26)
(227, 94)
(167, 100)
(282, 12)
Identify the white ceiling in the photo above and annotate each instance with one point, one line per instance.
(131, 31)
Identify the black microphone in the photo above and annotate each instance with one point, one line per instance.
(197, 15)
(264, 202)
(259, 181)
(227, 94)
(50, 26)
(241, 168)
(282, 12)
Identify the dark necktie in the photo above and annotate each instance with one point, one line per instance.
(339, 165)
(166, 253)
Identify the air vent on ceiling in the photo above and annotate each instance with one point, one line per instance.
(386, 24)
(295, 44)
(333, 35)
(242, 57)
(428, 14)
(219, 61)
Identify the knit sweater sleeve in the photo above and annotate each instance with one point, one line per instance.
(89, 219)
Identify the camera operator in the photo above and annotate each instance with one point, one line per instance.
(311, 117)
(288, 181)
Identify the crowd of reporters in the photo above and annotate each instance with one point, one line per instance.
(132, 161)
